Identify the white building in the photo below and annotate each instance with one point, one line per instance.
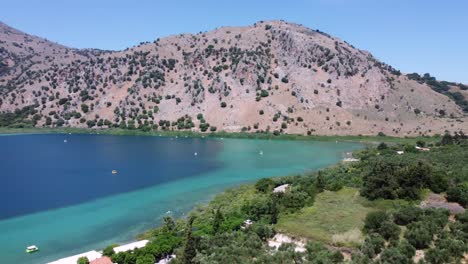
(131, 246)
(281, 188)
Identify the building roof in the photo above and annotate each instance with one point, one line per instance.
(131, 246)
(91, 255)
(102, 260)
(281, 188)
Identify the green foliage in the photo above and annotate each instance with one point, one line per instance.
(217, 221)
(263, 231)
(382, 146)
(83, 260)
(294, 200)
(145, 259)
(406, 249)
(373, 245)
(18, 118)
(317, 253)
(265, 185)
(109, 250)
(407, 215)
(374, 221)
(190, 246)
(458, 193)
(394, 256)
(395, 179)
(419, 235)
(232, 247)
(162, 244)
(389, 230)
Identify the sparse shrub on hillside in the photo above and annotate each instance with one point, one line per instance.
(264, 93)
(84, 108)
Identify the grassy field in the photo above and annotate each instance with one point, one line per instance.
(222, 134)
(336, 218)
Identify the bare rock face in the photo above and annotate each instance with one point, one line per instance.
(272, 76)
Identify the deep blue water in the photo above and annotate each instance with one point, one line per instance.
(42, 172)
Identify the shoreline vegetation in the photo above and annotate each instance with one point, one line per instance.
(241, 135)
(367, 211)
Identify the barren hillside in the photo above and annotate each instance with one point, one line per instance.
(272, 76)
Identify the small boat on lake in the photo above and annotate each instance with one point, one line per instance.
(32, 249)
(114, 172)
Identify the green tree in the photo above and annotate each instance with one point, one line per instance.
(382, 146)
(374, 220)
(294, 200)
(320, 182)
(446, 139)
(317, 253)
(109, 250)
(168, 224)
(406, 249)
(190, 246)
(407, 214)
(274, 210)
(217, 221)
(84, 108)
(263, 231)
(264, 185)
(389, 230)
(419, 235)
(394, 256)
(83, 260)
(373, 245)
(458, 193)
(145, 259)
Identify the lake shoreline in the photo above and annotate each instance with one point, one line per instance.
(240, 135)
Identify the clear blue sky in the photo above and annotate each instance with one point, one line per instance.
(411, 35)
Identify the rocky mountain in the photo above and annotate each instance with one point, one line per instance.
(272, 76)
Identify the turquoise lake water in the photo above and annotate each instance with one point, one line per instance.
(62, 196)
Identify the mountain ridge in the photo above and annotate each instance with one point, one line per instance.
(272, 76)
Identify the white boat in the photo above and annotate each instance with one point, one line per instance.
(32, 249)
